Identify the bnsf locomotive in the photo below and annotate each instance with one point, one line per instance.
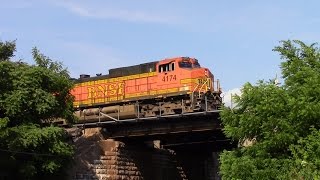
(166, 87)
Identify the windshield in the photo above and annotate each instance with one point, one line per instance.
(185, 64)
(196, 64)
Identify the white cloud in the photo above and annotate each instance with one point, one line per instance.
(227, 96)
(104, 11)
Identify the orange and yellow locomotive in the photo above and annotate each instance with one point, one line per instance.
(170, 86)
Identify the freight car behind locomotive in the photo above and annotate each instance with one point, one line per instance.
(170, 86)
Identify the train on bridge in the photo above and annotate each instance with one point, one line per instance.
(161, 88)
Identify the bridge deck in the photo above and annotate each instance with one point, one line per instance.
(153, 126)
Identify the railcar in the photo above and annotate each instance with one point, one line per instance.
(166, 87)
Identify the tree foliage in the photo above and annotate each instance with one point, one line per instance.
(31, 96)
(7, 50)
(281, 122)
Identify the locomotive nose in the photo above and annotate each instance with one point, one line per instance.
(201, 72)
(206, 72)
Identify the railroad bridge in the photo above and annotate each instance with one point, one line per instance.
(182, 147)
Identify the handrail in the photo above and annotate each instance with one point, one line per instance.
(203, 85)
(193, 93)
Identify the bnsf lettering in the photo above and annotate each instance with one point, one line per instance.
(201, 81)
(105, 90)
(204, 82)
(169, 78)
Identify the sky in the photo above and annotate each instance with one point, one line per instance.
(234, 39)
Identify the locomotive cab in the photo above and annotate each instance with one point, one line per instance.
(187, 75)
(186, 72)
(168, 77)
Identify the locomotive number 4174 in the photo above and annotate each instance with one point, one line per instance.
(169, 78)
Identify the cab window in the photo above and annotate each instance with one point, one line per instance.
(166, 67)
(185, 64)
(196, 64)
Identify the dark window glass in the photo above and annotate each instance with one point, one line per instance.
(185, 64)
(196, 64)
(166, 67)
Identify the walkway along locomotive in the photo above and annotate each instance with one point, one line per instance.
(166, 87)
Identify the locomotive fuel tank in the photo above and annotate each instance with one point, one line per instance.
(104, 114)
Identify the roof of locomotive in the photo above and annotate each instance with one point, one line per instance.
(131, 70)
(126, 71)
(122, 71)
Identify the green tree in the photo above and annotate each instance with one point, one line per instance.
(280, 122)
(31, 97)
(7, 50)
